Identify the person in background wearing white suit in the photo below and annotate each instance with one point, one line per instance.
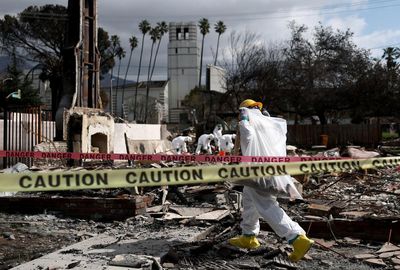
(226, 142)
(179, 144)
(204, 144)
(261, 135)
(217, 132)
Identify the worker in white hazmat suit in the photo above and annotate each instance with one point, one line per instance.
(217, 132)
(261, 135)
(179, 144)
(226, 142)
(204, 143)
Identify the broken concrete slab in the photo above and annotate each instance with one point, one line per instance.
(375, 262)
(325, 243)
(173, 216)
(387, 247)
(136, 261)
(389, 254)
(396, 261)
(154, 209)
(169, 266)
(190, 211)
(319, 209)
(364, 256)
(215, 215)
(62, 258)
(361, 153)
(96, 253)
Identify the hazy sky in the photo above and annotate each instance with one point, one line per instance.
(374, 23)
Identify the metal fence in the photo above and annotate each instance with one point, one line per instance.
(23, 128)
(337, 135)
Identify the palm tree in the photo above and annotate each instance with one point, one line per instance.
(391, 56)
(114, 48)
(133, 42)
(220, 28)
(120, 54)
(154, 35)
(204, 26)
(144, 27)
(163, 29)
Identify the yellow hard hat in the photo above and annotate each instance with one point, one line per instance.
(250, 103)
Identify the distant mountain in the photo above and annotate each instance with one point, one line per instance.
(5, 61)
(105, 82)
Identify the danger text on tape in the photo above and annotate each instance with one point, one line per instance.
(160, 157)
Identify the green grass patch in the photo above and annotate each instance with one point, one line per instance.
(386, 135)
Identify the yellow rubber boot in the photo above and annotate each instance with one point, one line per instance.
(244, 241)
(300, 247)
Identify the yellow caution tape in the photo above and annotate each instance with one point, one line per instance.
(74, 180)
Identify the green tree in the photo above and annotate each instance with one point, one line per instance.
(144, 27)
(391, 55)
(133, 42)
(15, 81)
(154, 35)
(220, 28)
(38, 35)
(320, 73)
(204, 26)
(106, 58)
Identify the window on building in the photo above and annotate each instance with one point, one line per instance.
(183, 71)
(186, 32)
(178, 33)
(176, 50)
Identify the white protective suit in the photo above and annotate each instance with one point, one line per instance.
(204, 143)
(217, 132)
(226, 142)
(261, 135)
(179, 144)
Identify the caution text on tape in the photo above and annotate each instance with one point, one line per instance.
(74, 180)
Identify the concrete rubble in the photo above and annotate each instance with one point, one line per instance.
(353, 217)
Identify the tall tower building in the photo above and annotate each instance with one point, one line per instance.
(183, 66)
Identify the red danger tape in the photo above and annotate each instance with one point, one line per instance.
(159, 157)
